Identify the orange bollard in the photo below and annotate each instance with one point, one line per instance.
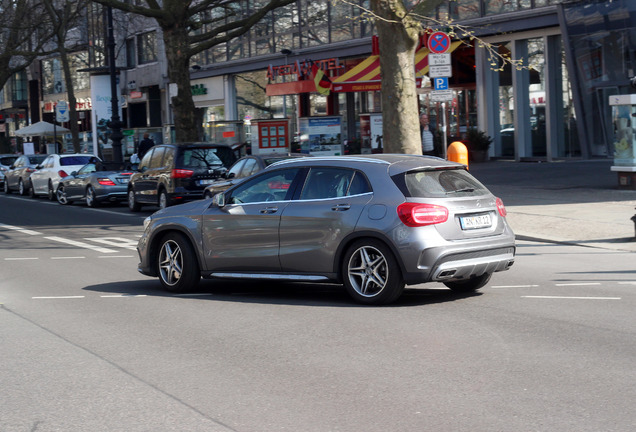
(457, 152)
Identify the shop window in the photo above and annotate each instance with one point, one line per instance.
(500, 6)
(465, 9)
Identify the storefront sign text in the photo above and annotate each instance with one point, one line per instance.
(302, 69)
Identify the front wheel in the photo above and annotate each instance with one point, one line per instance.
(177, 264)
(32, 190)
(164, 201)
(21, 188)
(371, 273)
(6, 186)
(133, 205)
(51, 195)
(469, 285)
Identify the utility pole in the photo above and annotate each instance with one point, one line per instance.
(115, 122)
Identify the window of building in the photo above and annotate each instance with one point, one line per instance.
(131, 53)
(19, 86)
(147, 48)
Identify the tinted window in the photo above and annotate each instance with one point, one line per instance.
(442, 183)
(34, 160)
(203, 157)
(7, 160)
(325, 183)
(75, 160)
(273, 186)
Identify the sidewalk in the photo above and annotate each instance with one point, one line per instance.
(572, 201)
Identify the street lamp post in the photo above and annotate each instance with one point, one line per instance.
(115, 122)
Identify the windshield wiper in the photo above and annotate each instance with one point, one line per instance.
(460, 191)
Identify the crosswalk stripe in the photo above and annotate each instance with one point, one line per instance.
(81, 244)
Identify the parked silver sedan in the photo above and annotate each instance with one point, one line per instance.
(19, 174)
(96, 182)
(374, 223)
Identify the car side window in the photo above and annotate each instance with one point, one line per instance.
(48, 162)
(272, 186)
(251, 166)
(87, 169)
(168, 157)
(156, 161)
(323, 183)
(145, 162)
(236, 169)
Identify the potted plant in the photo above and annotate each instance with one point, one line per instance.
(478, 144)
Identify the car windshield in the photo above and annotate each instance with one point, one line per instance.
(75, 160)
(203, 157)
(442, 183)
(36, 159)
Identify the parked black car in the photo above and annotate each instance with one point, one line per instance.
(175, 173)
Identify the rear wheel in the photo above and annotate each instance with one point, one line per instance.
(133, 205)
(469, 285)
(51, 193)
(371, 273)
(32, 190)
(177, 264)
(6, 186)
(164, 201)
(91, 201)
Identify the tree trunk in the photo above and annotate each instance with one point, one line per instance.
(398, 41)
(72, 101)
(176, 42)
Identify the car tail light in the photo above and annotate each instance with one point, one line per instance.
(62, 173)
(416, 214)
(30, 170)
(181, 173)
(105, 182)
(501, 208)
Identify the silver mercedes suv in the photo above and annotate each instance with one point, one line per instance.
(374, 223)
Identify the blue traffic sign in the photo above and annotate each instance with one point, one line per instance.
(440, 83)
(439, 42)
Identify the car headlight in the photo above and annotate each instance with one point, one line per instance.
(147, 222)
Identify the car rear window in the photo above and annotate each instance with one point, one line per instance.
(8, 160)
(203, 157)
(75, 160)
(442, 183)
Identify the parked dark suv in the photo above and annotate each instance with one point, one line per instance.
(175, 173)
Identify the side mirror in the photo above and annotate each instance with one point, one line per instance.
(74, 173)
(219, 200)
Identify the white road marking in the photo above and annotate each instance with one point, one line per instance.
(67, 258)
(115, 242)
(116, 256)
(19, 229)
(57, 297)
(81, 244)
(578, 284)
(627, 283)
(515, 286)
(123, 295)
(20, 259)
(572, 298)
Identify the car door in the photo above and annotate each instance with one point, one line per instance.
(75, 187)
(145, 184)
(39, 178)
(242, 236)
(326, 211)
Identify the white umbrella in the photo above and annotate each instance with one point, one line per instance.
(41, 128)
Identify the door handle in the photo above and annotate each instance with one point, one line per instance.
(269, 210)
(341, 207)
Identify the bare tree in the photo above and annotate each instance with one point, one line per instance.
(64, 17)
(191, 27)
(24, 29)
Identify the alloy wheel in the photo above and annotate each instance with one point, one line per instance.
(368, 271)
(170, 263)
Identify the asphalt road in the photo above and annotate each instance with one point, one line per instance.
(90, 344)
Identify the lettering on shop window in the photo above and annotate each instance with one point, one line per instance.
(199, 90)
(302, 69)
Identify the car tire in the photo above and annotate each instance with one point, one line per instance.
(60, 194)
(133, 205)
(21, 188)
(51, 195)
(371, 273)
(6, 186)
(177, 264)
(91, 200)
(164, 201)
(32, 190)
(469, 285)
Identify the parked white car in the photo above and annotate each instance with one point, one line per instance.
(45, 179)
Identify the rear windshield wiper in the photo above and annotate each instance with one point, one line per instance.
(460, 191)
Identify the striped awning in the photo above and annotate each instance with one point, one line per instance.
(365, 76)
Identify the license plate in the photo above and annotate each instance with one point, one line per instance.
(475, 222)
(124, 180)
(206, 182)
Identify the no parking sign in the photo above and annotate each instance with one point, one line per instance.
(439, 42)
